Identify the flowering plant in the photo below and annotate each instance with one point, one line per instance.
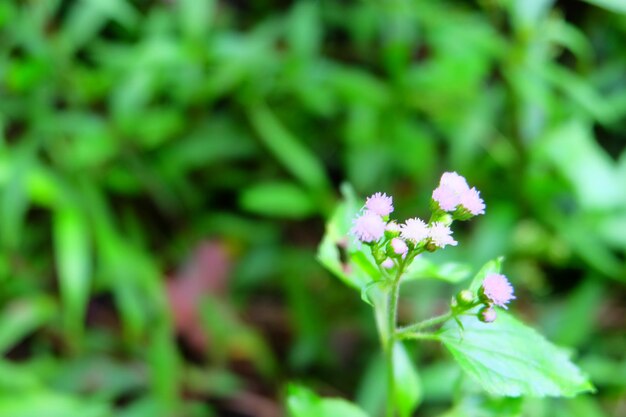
(497, 351)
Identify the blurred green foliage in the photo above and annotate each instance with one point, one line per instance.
(130, 131)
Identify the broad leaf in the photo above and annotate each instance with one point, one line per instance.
(508, 358)
(302, 402)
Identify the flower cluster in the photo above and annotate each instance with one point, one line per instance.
(390, 240)
(455, 196)
(397, 244)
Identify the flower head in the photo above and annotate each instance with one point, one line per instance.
(399, 246)
(472, 202)
(498, 289)
(379, 203)
(414, 230)
(454, 191)
(440, 235)
(454, 181)
(368, 227)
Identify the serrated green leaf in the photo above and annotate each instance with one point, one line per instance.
(508, 358)
(302, 402)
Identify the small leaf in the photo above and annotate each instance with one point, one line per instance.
(287, 148)
(360, 268)
(407, 384)
(508, 358)
(73, 255)
(278, 199)
(492, 267)
(617, 6)
(302, 402)
(21, 317)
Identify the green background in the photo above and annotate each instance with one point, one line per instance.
(166, 169)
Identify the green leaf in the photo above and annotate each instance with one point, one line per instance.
(508, 358)
(73, 256)
(279, 199)
(359, 269)
(617, 6)
(574, 152)
(302, 402)
(492, 267)
(295, 157)
(21, 317)
(50, 404)
(407, 384)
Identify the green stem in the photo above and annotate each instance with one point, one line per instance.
(433, 321)
(392, 317)
(418, 336)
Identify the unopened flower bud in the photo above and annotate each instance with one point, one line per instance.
(392, 230)
(398, 247)
(465, 298)
(487, 314)
(388, 263)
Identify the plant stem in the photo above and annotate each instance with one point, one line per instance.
(417, 336)
(433, 321)
(392, 316)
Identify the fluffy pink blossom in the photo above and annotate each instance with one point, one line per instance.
(440, 235)
(498, 289)
(472, 202)
(414, 230)
(368, 227)
(379, 203)
(446, 198)
(453, 191)
(454, 181)
(451, 187)
(399, 246)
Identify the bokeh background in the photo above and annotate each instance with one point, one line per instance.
(166, 169)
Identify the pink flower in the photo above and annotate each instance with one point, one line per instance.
(498, 289)
(446, 198)
(414, 230)
(472, 202)
(452, 188)
(399, 247)
(440, 235)
(453, 191)
(379, 203)
(368, 227)
(454, 181)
